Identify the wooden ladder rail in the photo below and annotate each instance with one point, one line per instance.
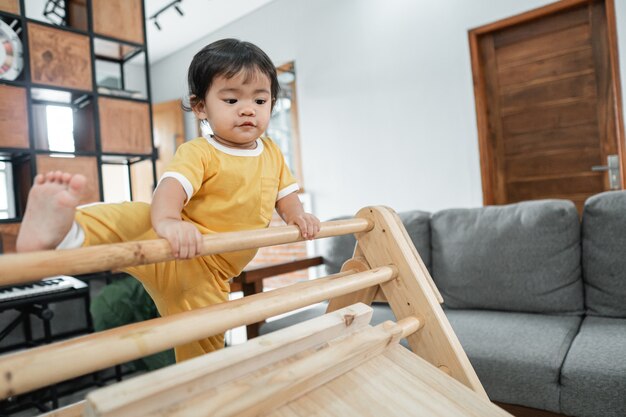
(25, 267)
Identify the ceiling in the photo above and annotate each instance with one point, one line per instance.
(201, 17)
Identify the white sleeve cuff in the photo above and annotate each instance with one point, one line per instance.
(74, 238)
(288, 190)
(182, 180)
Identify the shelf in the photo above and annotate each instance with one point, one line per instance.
(10, 6)
(127, 26)
(114, 50)
(67, 14)
(77, 14)
(8, 236)
(14, 155)
(74, 97)
(79, 120)
(85, 165)
(17, 83)
(59, 58)
(123, 159)
(57, 96)
(120, 69)
(13, 117)
(124, 126)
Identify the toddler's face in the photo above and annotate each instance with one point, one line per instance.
(238, 109)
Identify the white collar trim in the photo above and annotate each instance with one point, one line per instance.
(234, 151)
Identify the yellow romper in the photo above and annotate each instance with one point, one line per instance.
(227, 190)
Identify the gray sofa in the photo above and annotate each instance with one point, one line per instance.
(536, 296)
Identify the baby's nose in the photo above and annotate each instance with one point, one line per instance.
(246, 111)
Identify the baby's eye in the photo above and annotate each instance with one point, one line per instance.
(230, 100)
(260, 101)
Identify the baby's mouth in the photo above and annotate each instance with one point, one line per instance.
(247, 124)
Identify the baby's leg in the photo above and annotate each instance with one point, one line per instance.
(115, 222)
(185, 285)
(50, 210)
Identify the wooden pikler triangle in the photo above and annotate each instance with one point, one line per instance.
(334, 365)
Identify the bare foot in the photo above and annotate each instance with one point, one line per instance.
(50, 210)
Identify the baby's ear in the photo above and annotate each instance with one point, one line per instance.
(198, 107)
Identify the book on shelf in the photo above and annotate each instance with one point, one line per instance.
(120, 93)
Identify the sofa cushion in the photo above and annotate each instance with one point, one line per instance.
(519, 257)
(593, 378)
(338, 249)
(604, 254)
(517, 356)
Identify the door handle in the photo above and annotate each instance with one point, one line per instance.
(613, 169)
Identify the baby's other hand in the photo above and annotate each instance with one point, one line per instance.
(184, 237)
(308, 224)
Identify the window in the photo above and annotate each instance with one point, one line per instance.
(7, 203)
(283, 127)
(116, 182)
(60, 123)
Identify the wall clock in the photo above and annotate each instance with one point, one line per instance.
(11, 55)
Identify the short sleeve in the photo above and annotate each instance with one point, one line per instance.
(189, 166)
(287, 184)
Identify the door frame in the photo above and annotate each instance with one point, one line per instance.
(488, 164)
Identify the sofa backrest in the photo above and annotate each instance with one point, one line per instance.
(518, 257)
(604, 254)
(336, 250)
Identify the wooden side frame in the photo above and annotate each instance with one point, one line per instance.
(413, 294)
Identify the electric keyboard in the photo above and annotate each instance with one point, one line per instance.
(44, 287)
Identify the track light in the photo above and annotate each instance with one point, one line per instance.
(175, 4)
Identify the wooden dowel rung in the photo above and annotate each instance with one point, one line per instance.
(25, 267)
(409, 325)
(42, 366)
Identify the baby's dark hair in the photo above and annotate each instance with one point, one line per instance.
(227, 57)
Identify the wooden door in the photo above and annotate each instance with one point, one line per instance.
(548, 102)
(169, 130)
(169, 133)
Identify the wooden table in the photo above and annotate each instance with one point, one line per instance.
(250, 281)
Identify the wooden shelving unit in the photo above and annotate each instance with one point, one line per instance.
(89, 56)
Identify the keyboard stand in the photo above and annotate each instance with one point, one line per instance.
(37, 306)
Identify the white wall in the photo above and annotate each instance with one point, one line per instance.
(385, 95)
